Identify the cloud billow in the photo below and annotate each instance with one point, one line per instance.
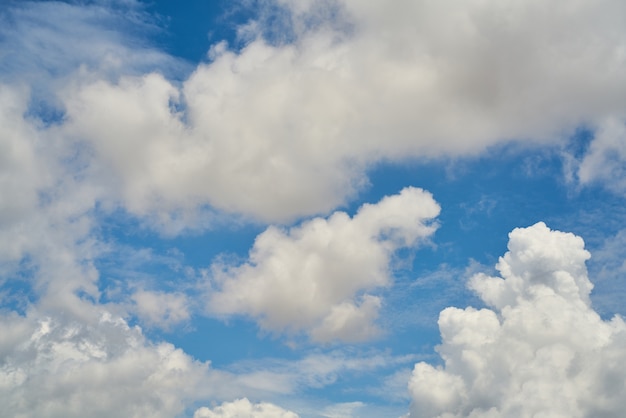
(540, 351)
(279, 131)
(314, 277)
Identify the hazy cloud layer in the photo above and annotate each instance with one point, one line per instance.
(94, 120)
(314, 277)
(540, 351)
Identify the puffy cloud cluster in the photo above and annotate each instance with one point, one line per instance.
(243, 408)
(540, 351)
(313, 277)
(54, 367)
(280, 130)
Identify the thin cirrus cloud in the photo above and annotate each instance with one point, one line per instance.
(315, 277)
(541, 348)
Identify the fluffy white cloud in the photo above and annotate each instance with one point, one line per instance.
(243, 408)
(541, 351)
(313, 277)
(55, 367)
(276, 131)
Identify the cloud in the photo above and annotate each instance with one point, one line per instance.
(274, 131)
(243, 408)
(604, 162)
(107, 36)
(160, 309)
(279, 130)
(315, 370)
(342, 410)
(540, 351)
(54, 367)
(313, 277)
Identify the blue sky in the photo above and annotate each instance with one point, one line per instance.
(312, 208)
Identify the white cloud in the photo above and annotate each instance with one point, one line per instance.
(343, 410)
(243, 408)
(280, 131)
(20, 173)
(106, 36)
(160, 309)
(54, 367)
(605, 160)
(540, 351)
(608, 267)
(313, 277)
(274, 132)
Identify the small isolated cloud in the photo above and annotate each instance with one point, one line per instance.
(541, 350)
(313, 277)
(243, 408)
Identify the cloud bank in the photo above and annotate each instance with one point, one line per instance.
(279, 130)
(541, 350)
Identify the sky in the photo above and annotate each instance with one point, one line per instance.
(298, 208)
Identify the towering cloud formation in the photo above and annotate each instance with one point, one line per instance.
(540, 351)
(314, 277)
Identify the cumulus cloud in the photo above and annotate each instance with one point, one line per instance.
(278, 130)
(275, 131)
(541, 350)
(54, 367)
(313, 277)
(243, 408)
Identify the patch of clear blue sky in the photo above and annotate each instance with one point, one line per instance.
(191, 27)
